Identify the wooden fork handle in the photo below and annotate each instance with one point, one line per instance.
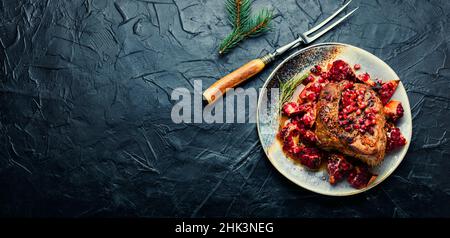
(233, 79)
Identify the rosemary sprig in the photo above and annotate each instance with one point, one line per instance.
(288, 88)
(244, 24)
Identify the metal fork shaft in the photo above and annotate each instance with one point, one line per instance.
(304, 38)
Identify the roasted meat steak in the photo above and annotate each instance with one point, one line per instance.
(350, 120)
(343, 119)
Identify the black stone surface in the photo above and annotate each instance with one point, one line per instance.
(85, 106)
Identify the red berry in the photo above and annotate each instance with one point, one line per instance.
(339, 71)
(309, 79)
(311, 157)
(338, 167)
(365, 78)
(360, 177)
(395, 138)
(393, 110)
(386, 90)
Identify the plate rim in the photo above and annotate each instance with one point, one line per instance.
(343, 194)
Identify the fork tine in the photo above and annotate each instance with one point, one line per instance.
(331, 26)
(326, 20)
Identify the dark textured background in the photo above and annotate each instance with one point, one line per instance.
(85, 125)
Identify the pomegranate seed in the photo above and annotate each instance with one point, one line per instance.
(395, 138)
(338, 168)
(316, 69)
(386, 90)
(360, 177)
(309, 79)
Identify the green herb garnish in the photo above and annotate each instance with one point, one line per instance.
(288, 88)
(244, 24)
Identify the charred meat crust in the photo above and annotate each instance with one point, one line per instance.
(369, 148)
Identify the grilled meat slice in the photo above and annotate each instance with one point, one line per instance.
(350, 120)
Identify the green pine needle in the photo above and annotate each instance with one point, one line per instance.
(288, 88)
(230, 41)
(244, 24)
(259, 24)
(238, 12)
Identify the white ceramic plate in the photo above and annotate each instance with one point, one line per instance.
(302, 61)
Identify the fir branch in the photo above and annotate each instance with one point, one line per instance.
(259, 24)
(244, 24)
(238, 12)
(230, 41)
